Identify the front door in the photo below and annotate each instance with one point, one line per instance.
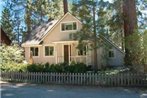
(66, 53)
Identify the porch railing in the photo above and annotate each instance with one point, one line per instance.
(82, 59)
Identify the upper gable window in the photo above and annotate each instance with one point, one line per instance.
(68, 26)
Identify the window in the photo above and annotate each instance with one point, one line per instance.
(111, 53)
(34, 51)
(82, 52)
(69, 26)
(49, 50)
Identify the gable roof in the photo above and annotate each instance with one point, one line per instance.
(40, 33)
(68, 13)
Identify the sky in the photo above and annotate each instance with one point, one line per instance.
(2, 4)
(1, 7)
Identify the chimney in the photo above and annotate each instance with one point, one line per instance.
(65, 4)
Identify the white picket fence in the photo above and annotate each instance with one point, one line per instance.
(99, 79)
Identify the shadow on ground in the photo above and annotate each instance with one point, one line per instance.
(24, 90)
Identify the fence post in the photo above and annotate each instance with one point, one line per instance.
(121, 79)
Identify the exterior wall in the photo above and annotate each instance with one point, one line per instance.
(41, 58)
(118, 59)
(58, 54)
(27, 53)
(58, 35)
(99, 58)
(58, 57)
(55, 35)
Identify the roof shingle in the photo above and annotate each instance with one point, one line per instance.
(39, 32)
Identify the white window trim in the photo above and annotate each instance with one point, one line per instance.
(44, 50)
(38, 51)
(68, 30)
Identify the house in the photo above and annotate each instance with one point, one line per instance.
(4, 38)
(51, 42)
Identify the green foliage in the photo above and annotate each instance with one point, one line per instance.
(11, 54)
(76, 68)
(133, 44)
(11, 58)
(46, 9)
(6, 23)
(61, 67)
(15, 67)
(144, 48)
(115, 22)
(112, 70)
(137, 44)
(93, 16)
(35, 68)
(25, 15)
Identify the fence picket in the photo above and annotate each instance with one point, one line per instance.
(122, 79)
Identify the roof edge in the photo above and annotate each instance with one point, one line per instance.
(108, 40)
(57, 23)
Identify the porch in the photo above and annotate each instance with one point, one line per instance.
(80, 59)
(66, 51)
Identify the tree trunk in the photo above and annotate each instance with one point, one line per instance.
(130, 25)
(28, 25)
(95, 40)
(28, 21)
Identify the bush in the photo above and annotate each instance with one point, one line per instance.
(17, 67)
(11, 54)
(77, 68)
(61, 67)
(35, 68)
(11, 58)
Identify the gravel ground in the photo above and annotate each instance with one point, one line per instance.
(23, 90)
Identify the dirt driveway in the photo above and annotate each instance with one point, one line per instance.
(23, 90)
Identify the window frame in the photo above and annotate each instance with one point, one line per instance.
(34, 47)
(53, 50)
(83, 52)
(68, 22)
(111, 51)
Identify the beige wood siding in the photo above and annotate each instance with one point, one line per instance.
(27, 53)
(118, 58)
(57, 35)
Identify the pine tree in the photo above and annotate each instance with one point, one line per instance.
(31, 13)
(144, 55)
(93, 18)
(115, 22)
(45, 10)
(85, 10)
(130, 26)
(6, 23)
(28, 20)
